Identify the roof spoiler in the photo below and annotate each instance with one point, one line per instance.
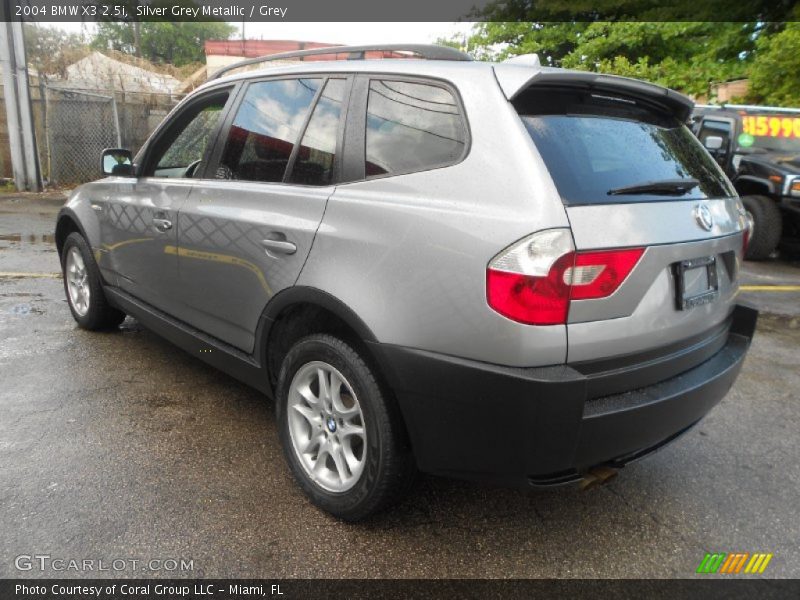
(674, 102)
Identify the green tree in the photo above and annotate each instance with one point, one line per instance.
(683, 55)
(551, 41)
(49, 49)
(775, 72)
(162, 42)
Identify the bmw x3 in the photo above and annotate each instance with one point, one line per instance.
(491, 271)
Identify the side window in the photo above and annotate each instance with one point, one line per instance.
(180, 150)
(315, 157)
(266, 127)
(411, 127)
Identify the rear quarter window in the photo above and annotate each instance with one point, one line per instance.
(593, 145)
(411, 127)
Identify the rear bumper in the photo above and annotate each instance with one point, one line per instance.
(544, 426)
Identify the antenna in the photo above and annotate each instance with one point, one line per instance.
(524, 60)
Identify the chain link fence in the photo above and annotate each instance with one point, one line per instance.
(73, 126)
(78, 126)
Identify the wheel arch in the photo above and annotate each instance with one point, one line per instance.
(749, 185)
(299, 311)
(67, 222)
(302, 310)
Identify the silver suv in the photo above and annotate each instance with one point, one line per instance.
(489, 271)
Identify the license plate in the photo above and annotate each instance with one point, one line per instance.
(696, 282)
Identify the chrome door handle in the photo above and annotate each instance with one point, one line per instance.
(162, 224)
(281, 246)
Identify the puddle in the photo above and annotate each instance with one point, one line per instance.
(29, 238)
(25, 309)
(20, 295)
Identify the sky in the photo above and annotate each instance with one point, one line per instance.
(344, 33)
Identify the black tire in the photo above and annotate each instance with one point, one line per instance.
(100, 314)
(767, 226)
(389, 465)
(790, 242)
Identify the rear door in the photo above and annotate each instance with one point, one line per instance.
(247, 226)
(632, 176)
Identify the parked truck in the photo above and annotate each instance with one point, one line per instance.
(759, 149)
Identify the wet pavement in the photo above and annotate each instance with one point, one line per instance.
(120, 446)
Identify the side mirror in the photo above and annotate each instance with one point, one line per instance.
(117, 162)
(713, 142)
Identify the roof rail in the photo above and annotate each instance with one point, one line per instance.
(426, 51)
(750, 107)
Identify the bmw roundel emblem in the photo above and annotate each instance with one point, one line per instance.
(703, 217)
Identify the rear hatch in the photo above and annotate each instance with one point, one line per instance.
(632, 176)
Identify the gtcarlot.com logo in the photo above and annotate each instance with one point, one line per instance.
(45, 562)
(734, 563)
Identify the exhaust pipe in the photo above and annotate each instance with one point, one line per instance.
(597, 476)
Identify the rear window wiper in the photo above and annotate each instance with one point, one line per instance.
(667, 187)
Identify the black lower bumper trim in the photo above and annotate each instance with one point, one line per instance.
(518, 426)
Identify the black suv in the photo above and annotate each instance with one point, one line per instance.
(759, 149)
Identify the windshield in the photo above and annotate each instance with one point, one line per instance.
(602, 150)
(779, 133)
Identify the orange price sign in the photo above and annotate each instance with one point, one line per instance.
(771, 126)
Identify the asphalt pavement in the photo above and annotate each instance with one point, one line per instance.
(119, 446)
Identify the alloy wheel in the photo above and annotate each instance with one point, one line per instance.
(77, 278)
(326, 427)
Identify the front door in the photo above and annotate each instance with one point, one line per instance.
(247, 227)
(139, 220)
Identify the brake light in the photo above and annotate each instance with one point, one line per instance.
(534, 280)
(529, 299)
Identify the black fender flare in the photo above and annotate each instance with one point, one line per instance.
(753, 179)
(67, 213)
(305, 295)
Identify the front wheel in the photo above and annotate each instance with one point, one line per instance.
(766, 225)
(342, 436)
(84, 288)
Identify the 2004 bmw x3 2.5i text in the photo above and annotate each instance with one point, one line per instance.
(494, 271)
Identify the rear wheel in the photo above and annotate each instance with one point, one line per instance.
(766, 226)
(342, 436)
(83, 286)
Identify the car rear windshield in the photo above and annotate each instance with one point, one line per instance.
(600, 148)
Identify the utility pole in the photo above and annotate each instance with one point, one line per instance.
(137, 29)
(12, 113)
(22, 140)
(32, 172)
(137, 39)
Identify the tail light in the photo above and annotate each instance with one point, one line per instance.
(745, 240)
(534, 280)
(599, 274)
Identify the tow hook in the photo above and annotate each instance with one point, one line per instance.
(597, 476)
